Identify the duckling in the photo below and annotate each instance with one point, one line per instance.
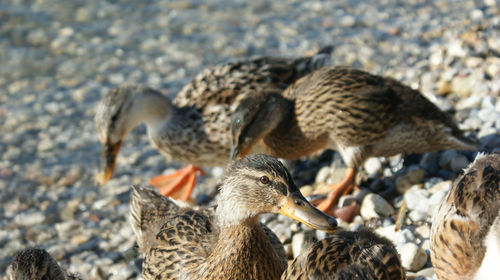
(34, 263)
(227, 242)
(465, 233)
(194, 128)
(356, 113)
(348, 255)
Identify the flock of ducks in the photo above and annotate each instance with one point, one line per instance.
(245, 114)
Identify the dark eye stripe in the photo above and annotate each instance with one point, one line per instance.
(280, 187)
(275, 184)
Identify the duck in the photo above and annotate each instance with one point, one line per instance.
(225, 241)
(360, 254)
(37, 263)
(465, 232)
(195, 127)
(359, 114)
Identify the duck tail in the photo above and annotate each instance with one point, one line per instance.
(322, 58)
(148, 211)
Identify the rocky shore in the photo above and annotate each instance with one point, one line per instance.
(58, 57)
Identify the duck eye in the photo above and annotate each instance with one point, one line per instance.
(237, 122)
(264, 180)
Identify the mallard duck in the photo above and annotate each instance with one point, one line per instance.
(194, 128)
(227, 242)
(359, 114)
(465, 233)
(348, 255)
(36, 263)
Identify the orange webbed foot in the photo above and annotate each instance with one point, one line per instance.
(178, 185)
(328, 205)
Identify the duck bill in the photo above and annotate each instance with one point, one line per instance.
(239, 152)
(298, 208)
(108, 161)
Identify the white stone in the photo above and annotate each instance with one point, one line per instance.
(298, 243)
(469, 102)
(404, 236)
(373, 166)
(414, 197)
(418, 215)
(346, 200)
(488, 115)
(412, 177)
(29, 219)
(413, 258)
(435, 200)
(347, 21)
(388, 232)
(323, 175)
(462, 86)
(428, 273)
(424, 231)
(488, 102)
(374, 206)
(476, 15)
(455, 48)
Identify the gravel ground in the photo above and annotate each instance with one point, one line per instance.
(58, 57)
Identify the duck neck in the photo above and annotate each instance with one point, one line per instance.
(245, 252)
(151, 108)
(294, 138)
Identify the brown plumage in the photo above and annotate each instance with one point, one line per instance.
(348, 255)
(194, 128)
(465, 234)
(228, 242)
(359, 114)
(33, 263)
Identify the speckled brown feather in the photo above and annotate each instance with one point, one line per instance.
(464, 219)
(34, 263)
(360, 114)
(177, 241)
(347, 255)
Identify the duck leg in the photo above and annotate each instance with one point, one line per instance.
(327, 205)
(178, 185)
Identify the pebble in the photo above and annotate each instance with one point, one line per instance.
(323, 175)
(447, 157)
(29, 219)
(373, 166)
(347, 21)
(300, 241)
(435, 200)
(424, 231)
(427, 272)
(413, 258)
(459, 162)
(412, 177)
(374, 206)
(429, 162)
(416, 198)
(462, 86)
(418, 215)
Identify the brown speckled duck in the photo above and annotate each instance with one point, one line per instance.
(465, 234)
(195, 127)
(356, 113)
(348, 255)
(228, 242)
(34, 263)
